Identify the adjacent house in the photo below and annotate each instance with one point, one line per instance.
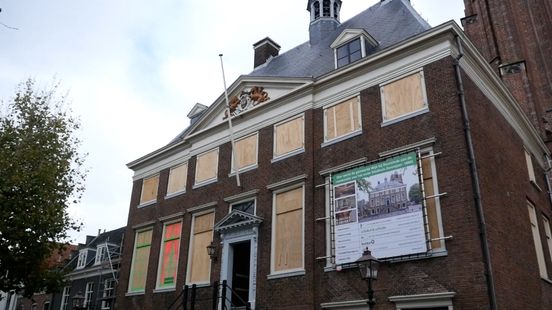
(380, 133)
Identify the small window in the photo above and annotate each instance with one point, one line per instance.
(246, 152)
(170, 250)
(140, 261)
(530, 168)
(289, 136)
(199, 263)
(65, 298)
(403, 97)
(206, 167)
(546, 224)
(108, 294)
(149, 189)
(177, 179)
(88, 294)
(81, 263)
(342, 119)
(537, 240)
(287, 231)
(246, 206)
(101, 254)
(349, 53)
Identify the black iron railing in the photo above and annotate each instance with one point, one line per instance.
(217, 296)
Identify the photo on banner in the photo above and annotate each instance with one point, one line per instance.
(379, 207)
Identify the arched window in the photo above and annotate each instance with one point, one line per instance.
(336, 10)
(326, 8)
(316, 6)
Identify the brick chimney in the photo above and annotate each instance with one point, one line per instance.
(265, 49)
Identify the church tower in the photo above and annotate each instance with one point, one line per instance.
(324, 16)
(515, 37)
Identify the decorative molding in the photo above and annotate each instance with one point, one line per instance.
(238, 197)
(203, 207)
(443, 299)
(143, 225)
(172, 216)
(237, 220)
(284, 183)
(350, 304)
(246, 100)
(415, 145)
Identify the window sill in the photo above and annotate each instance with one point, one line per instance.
(535, 185)
(128, 294)
(342, 138)
(286, 274)
(404, 117)
(243, 170)
(147, 203)
(287, 155)
(171, 195)
(198, 285)
(549, 281)
(204, 183)
(164, 290)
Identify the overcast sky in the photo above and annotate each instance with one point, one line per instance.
(133, 69)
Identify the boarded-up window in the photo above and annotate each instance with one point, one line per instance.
(288, 230)
(530, 169)
(206, 166)
(288, 136)
(546, 224)
(342, 119)
(177, 179)
(149, 189)
(170, 250)
(199, 264)
(403, 96)
(431, 203)
(537, 240)
(140, 261)
(246, 152)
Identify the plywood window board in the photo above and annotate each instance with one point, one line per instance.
(177, 179)
(199, 266)
(170, 251)
(140, 261)
(246, 151)
(149, 189)
(530, 168)
(403, 96)
(289, 136)
(342, 119)
(288, 233)
(537, 241)
(431, 204)
(206, 166)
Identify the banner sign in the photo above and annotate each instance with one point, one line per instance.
(379, 207)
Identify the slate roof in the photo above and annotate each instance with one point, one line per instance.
(389, 22)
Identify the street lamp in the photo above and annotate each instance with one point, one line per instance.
(368, 267)
(78, 301)
(212, 251)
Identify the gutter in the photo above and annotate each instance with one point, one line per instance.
(475, 181)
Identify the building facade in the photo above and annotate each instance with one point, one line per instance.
(380, 112)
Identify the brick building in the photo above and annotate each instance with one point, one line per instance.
(279, 193)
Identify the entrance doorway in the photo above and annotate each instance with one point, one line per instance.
(240, 273)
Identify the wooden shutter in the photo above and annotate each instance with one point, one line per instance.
(140, 261)
(206, 166)
(246, 151)
(431, 205)
(342, 118)
(403, 96)
(202, 235)
(289, 136)
(177, 179)
(537, 240)
(170, 251)
(288, 243)
(149, 189)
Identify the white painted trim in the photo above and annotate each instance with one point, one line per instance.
(191, 244)
(211, 180)
(353, 131)
(249, 167)
(204, 208)
(242, 196)
(181, 191)
(149, 202)
(346, 305)
(406, 116)
(410, 114)
(254, 199)
(133, 260)
(443, 299)
(160, 262)
(288, 183)
(286, 274)
(143, 226)
(342, 138)
(276, 157)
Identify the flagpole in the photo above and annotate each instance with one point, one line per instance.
(230, 128)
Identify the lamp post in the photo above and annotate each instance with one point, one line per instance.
(78, 301)
(368, 266)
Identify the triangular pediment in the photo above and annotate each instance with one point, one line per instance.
(236, 220)
(350, 34)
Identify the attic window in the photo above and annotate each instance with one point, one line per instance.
(349, 52)
(82, 259)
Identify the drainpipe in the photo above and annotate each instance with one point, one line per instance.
(475, 180)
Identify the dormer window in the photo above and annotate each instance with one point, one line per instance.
(82, 258)
(101, 254)
(352, 45)
(349, 53)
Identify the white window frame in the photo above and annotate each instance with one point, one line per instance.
(249, 167)
(425, 301)
(190, 247)
(290, 272)
(109, 286)
(83, 255)
(99, 251)
(154, 200)
(530, 167)
(347, 135)
(89, 290)
(132, 262)
(211, 180)
(254, 199)
(65, 298)
(160, 263)
(539, 251)
(548, 234)
(182, 191)
(408, 115)
(300, 150)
